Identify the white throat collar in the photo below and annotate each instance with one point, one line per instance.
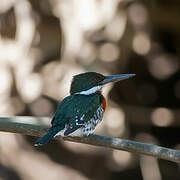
(91, 91)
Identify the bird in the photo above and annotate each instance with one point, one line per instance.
(79, 113)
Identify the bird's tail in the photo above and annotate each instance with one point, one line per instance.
(47, 137)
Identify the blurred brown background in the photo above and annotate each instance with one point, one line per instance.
(44, 43)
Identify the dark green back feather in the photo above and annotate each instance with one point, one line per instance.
(75, 106)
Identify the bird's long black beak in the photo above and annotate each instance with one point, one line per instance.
(116, 78)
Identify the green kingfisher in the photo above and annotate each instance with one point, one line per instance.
(79, 113)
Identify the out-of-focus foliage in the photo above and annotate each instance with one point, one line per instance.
(44, 43)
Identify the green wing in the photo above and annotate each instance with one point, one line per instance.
(60, 114)
(76, 107)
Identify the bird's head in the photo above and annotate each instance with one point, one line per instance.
(91, 82)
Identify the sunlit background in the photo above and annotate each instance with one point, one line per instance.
(44, 43)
